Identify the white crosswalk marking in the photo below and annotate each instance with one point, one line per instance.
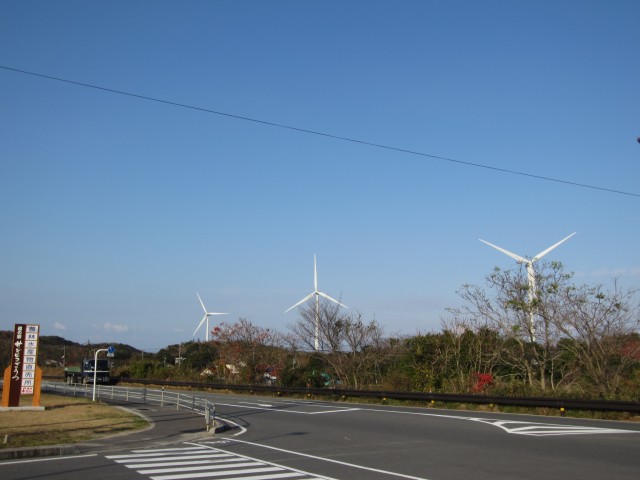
(204, 462)
(198, 468)
(169, 457)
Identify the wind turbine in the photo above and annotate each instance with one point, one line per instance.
(317, 293)
(206, 317)
(530, 273)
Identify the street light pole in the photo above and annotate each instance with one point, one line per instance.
(110, 352)
(95, 370)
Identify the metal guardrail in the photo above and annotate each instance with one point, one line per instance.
(143, 395)
(532, 402)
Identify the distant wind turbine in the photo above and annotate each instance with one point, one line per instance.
(531, 274)
(206, 317)
(317, 293)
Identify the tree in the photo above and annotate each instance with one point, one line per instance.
(249, 350)
(357, 351)
(584, 332)
(473, 350)
(601, 328)
(422, 362)
(508, 311)
(199, 355)
(454, 359)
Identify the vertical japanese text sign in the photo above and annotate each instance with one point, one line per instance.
(24, 354)
(29, 359)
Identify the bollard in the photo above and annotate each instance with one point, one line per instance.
(209, 415)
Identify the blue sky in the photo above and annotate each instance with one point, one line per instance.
(116, 210)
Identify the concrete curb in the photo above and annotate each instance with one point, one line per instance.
(69, 448)
(90, 445)
(33, 452)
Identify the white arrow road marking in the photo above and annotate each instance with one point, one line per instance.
(546, 429)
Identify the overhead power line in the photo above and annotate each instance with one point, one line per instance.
(322, 134)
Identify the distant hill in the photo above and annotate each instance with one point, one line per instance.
(54, 350)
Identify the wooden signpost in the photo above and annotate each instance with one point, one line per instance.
(23, 376)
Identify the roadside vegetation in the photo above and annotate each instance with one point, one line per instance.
(64, 420)
(583, 343)
(571, 341)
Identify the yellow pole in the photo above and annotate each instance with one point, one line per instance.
(36, 387)
(7, 387)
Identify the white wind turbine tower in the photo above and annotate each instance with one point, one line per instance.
(206, 317)
(531, 274)
(317, 293)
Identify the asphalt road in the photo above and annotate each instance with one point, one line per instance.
(272, 438)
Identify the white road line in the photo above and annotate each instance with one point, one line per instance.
(226, 420)
(154, 459)
(270, 476)
(49, 459)
(271, 408)
(199, 468)
(229, 461)
(335, 411)
(329, 460)
(299, 472)
(546, 429)
(218, 474)
(181, 449)
(219, 465)
(158, 453)
(573, 430)
(537, 429)
(256, 407)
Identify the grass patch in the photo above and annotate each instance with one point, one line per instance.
(64, 420)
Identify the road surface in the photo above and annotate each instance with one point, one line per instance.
(273, 438)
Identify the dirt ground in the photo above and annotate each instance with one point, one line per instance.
(64, 420)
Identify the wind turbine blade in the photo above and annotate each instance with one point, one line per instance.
(507, 252)
(300, 302)
(216, 313)
(315, 274)
(201, 303)
(542, 254)
(332, 299)
(200, 324)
